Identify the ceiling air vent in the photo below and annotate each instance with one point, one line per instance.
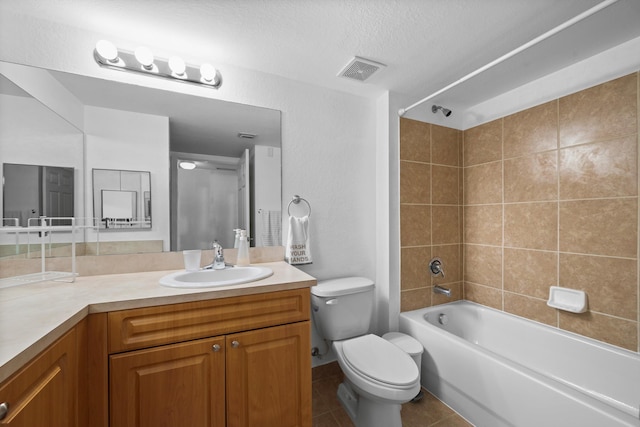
(246, 135)
(360, 69)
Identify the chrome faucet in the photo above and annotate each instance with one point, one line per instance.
(436, 267)
(437, 289)
(218, 260)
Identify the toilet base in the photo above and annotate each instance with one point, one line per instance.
(365, 412)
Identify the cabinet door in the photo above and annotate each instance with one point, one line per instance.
(269, 377)
(173, 385)
(43, 393)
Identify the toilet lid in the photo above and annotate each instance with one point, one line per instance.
(381, 360)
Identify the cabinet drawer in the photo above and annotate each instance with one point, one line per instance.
(151, 326)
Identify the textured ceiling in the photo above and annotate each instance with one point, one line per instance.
(425, 44)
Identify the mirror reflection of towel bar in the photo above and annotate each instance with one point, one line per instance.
(297, 199)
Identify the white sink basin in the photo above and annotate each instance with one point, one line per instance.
(211, 278)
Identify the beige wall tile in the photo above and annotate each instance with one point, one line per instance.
(602, 169)
(531, 178)
(605, 111)
(445, 186)
(415, 298)
(451, 261)
(483, 143)
(484, 295)
(531, 225)
(445, 145)
(532, 130)
(620, 332)
(415, 225)
(415, 140)
(483, 265)
(414, 267)
(415, 182)
(445, 224)
(483, 224)
(531, 308)
(563, 177)
(483, 184)
(599, 227)
(611, 284)
(530, 272)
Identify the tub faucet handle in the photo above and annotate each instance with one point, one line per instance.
(436, 267)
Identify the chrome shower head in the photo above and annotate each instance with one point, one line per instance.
(445, 111)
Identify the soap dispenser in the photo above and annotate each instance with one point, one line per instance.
(237, 239)
(243, 250)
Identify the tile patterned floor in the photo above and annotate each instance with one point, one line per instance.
(327, 412)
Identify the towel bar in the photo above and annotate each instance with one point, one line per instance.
(297, 199)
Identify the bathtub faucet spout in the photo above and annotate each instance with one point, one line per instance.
(437, 289)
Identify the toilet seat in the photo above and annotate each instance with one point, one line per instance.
(379, 360)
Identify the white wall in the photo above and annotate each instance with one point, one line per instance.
(123, 140)
(42, 86)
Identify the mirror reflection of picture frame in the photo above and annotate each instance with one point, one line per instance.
(118, 204)
(122, 199)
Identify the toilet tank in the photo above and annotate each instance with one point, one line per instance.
(342, 308)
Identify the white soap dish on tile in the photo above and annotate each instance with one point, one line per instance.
(567, 299)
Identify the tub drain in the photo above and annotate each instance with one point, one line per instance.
(443, 319)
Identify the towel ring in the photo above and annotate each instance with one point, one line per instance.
(297, 199)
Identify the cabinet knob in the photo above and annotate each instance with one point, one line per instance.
(235, 344)
(4, 408)
(216, 347)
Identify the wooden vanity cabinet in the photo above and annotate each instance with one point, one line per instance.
(269, 377)
(172, 385)
(44, 392)
(235, 362)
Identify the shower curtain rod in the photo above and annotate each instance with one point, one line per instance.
(553, 31)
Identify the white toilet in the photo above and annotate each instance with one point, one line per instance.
(379, 375)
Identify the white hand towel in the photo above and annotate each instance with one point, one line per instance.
(298, 249)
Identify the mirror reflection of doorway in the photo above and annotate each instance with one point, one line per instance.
(32, 191)
(212, 200)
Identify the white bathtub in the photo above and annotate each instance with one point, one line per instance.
(496, 369)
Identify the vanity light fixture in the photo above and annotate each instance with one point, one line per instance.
(107, 55)
(145, 57)
(108, 52)
(178, 67)
(187, 165)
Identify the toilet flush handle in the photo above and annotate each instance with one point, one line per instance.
(331, 301)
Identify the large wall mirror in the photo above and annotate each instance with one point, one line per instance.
(211, 165)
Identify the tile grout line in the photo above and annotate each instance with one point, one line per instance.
(503, 215)
(557, 282)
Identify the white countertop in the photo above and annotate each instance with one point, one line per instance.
(33, 316)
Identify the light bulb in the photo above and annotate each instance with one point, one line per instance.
(177, 66)
(208, 73)
(145, 57)
(107, 51)
(187, 165)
